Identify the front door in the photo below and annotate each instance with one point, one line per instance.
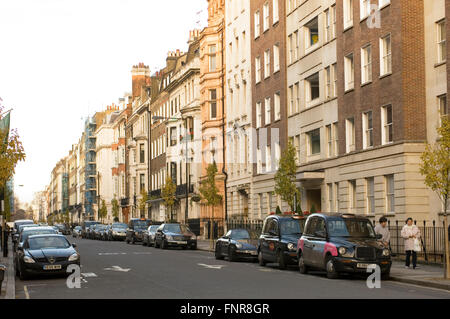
(314, 197)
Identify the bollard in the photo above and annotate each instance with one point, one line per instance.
(2, 276)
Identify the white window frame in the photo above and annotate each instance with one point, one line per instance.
(276, 58)
(366, 64)
(266, 16)
(350, 140)
(258, 69)
(364, 9)
(389, 181)
(441, 41)
(385, 55)
(385, 125)
(276, 11)
(258, 115)
(349, 72)
(266, 63)
(257, 25)
(348, 14)
(277, 105)
(268, 111)
(307, 31)
(367, 130)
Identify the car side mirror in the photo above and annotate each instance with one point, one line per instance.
(226, 237)
(74, 245)
(20, 248)
(272, 233)
(379, 236)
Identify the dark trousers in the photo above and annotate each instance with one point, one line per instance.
(408, 258)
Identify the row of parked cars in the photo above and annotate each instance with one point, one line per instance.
(41, 249)
(335, 243)
(140, 230)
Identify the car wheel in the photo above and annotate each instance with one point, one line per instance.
(156, 244)
(22, 275)
(144, 243)
(302, 268)
(281, 261)
(128, 241)
(194, 247)
(331, 269)
(232, 254)
(133, 240)
(261, 260)
(217, 254)
(163, 244)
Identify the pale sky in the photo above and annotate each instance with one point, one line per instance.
(62, 60)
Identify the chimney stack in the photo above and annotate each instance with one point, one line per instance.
(140, 77)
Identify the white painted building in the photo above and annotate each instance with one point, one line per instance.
(238, 94)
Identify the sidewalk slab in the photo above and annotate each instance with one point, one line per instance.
(205, 245)
(8, 289)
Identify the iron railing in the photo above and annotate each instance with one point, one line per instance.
(254, 227)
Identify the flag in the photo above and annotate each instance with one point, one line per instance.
(4, 125)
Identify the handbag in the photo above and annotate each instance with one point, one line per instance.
(417, 245)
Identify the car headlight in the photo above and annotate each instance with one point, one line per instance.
(169, 237)
(291, 246)
(28, 260)
(386, 252)
(74, 257)
(239, 245)
(342, 251)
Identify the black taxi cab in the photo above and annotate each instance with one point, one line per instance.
(341, 243)
(135, 230)
(278, 240)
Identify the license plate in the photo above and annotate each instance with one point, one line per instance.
(254, 253)
(362, 265)
(182, 242)
(52, 267)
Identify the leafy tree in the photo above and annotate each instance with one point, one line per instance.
(168, 193)
(278, 211)
(103, 211)
(115, 208)
(285, 177)
(143, 202)
(435, 167)
(209, 191)
(11, 153)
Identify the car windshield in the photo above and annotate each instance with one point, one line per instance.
(27, 234)
(22, 227)
(176, 229)
(240, 234)
(119, 226)
(78, 228)
(101, 227)
(351, 228)
(141, 224)
(291, 227)
(48, 242)
(153, 228)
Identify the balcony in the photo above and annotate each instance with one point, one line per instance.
(124, 202)
(155, 194)
(181, 189)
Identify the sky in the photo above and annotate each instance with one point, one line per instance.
(63, 60)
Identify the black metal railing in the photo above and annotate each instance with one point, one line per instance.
(124, 202)
(254, 227)
(433, 240)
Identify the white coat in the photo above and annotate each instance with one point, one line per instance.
(408, 231)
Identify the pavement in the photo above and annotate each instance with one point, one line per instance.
(8, 286)
(426, 275)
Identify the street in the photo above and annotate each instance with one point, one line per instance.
(120, 271)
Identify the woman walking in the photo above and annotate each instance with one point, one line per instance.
(411, 234)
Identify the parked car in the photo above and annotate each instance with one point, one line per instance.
(278, 240)
(100, 232)
(117, 231)
(63, 229)
(135, 230)
(95, 231)
(341, 243)
(76, 232)
(20, 228)
(235, 244)
(19, 222)
(30, 231)
(85, 225)
(149, 235)
(57, 229)
(175, 235)
(46, 254)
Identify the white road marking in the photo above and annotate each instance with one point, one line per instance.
(118, 268)
(88, 275)
(212, 266)
(25, 289)
(145, 253)
(111, 254)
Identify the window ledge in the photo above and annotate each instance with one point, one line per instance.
(346, 28)
(440, 64)
(366, 83)
(349, 90)
(363, 19)
(385, 75)
(384, 6)
(312, 49)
